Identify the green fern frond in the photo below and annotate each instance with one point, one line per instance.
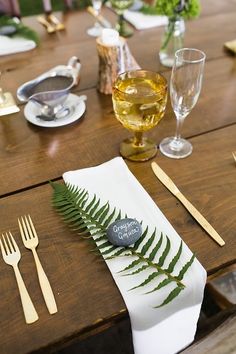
(173, 294)
(163, 283)
(156, 248)
(147, 280)
(185, 268)
(175, 259)
(165, 253)
(90, 219)
(137, 271)
(131, 265)
(148, 244)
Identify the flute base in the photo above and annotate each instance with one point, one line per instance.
(95, 31)
(175, 148)
(141, 152)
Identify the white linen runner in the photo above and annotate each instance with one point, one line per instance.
(164, 330)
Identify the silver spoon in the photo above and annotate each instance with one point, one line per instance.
(50, 113)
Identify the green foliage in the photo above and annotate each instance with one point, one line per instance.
(21, 30)
(90, 219)
(169, 8)
(34, 7)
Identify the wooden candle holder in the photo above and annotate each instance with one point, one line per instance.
(113, 60)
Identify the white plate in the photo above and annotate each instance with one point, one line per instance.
(32, 110)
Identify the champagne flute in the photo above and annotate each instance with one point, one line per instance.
(185, 87)
(96, 30)
(139, 101)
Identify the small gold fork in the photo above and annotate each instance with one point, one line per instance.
(11, 255)
(30, 240)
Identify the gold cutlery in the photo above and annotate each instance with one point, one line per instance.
(51, 18)
(11, 255)
(105, 23)
(45, 23)
(169, 184)
(30, 240)
(234, 155)
(7, 103)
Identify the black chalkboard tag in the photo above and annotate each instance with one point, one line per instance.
(124, 232)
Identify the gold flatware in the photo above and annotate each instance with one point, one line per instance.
(7, 103)
(30, 240)
(59, 26)
(105, 23)
(231, 45)
(45, 23)
(169, 184)
(234, 155)
(11, 255)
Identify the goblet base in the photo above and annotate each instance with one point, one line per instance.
(141, 152)
(175, 148)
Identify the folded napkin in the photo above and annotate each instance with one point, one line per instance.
(163, 330)
(15, 45)
(141, 21)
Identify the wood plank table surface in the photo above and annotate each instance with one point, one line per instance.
(30, 156)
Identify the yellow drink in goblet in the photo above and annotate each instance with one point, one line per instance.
(139, 100)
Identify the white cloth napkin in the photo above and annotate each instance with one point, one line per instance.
(141, 21)
(164, 330)
(15, 45)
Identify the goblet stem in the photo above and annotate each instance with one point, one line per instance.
(122, 27)
(138, 139)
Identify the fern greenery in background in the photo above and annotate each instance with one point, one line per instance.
(90, 219)
(186, 8)
(21, 30)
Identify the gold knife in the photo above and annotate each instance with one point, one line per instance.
(168, 183)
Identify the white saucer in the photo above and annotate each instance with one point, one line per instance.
(32, 110)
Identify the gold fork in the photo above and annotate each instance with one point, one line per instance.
(43, 21)
(51, 18)
(11, 255)
(30, 240)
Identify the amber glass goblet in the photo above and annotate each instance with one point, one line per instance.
(139, 100)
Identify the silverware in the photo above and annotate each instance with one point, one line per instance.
(45, 23)
(30, 240)
(11, 255)
(61, 113)
(105, 23)
(169, 184)
(234, 155)
(49, 113)
(51, 18)
(7, 103)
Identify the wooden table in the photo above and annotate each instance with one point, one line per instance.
(30, 156)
